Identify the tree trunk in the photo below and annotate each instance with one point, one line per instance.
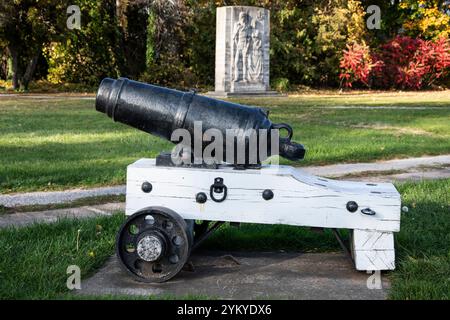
(15, 67)
(29, 72)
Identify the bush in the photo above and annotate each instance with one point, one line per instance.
(356, 65)
(338, 23)
(402, 63)
(407, 63)
(435, 57)
(281, 84)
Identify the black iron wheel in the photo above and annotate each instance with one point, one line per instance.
(153, 244)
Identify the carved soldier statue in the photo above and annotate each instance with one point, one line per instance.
(242, 41)
(242, 52)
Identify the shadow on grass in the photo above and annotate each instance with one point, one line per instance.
(271, 237)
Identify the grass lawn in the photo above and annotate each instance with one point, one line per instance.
(64, 143)
(35, 258)
(423, 245)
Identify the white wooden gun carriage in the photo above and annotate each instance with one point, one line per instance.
(269, 195)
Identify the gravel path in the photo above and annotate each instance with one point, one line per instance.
(42, 198)
(381, 107)
(409, 164)
(26, 218)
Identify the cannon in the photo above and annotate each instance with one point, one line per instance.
(173, 207)
(161, 111)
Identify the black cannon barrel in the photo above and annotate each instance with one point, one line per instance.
(160, 111)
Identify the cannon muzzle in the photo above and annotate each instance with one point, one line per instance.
(160, 111)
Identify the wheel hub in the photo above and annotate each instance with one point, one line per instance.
(149, 248)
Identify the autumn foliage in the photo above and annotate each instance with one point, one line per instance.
(402, 63)
(356, 65)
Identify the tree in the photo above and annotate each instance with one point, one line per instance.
(91, 53)
(391, 19)
(166, 42)
(132, 16)
(26, 26)
(426, 19)
(338, 23)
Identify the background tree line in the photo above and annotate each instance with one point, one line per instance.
(171, 42)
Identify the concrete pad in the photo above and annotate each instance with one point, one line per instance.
(248, 275)
(26, 218)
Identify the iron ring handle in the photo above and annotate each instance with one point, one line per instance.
(285, 126)
(225, 192)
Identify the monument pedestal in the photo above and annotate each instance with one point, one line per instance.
(223, 94)
(242, 52)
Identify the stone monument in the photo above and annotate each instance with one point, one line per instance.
(242, 51)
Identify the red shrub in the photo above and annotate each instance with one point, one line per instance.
(395, 56)
(403, 62)
(356, 64)
(434, 57)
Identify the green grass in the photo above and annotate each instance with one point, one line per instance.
(64, 143)
(423, 244)
(35, 258)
